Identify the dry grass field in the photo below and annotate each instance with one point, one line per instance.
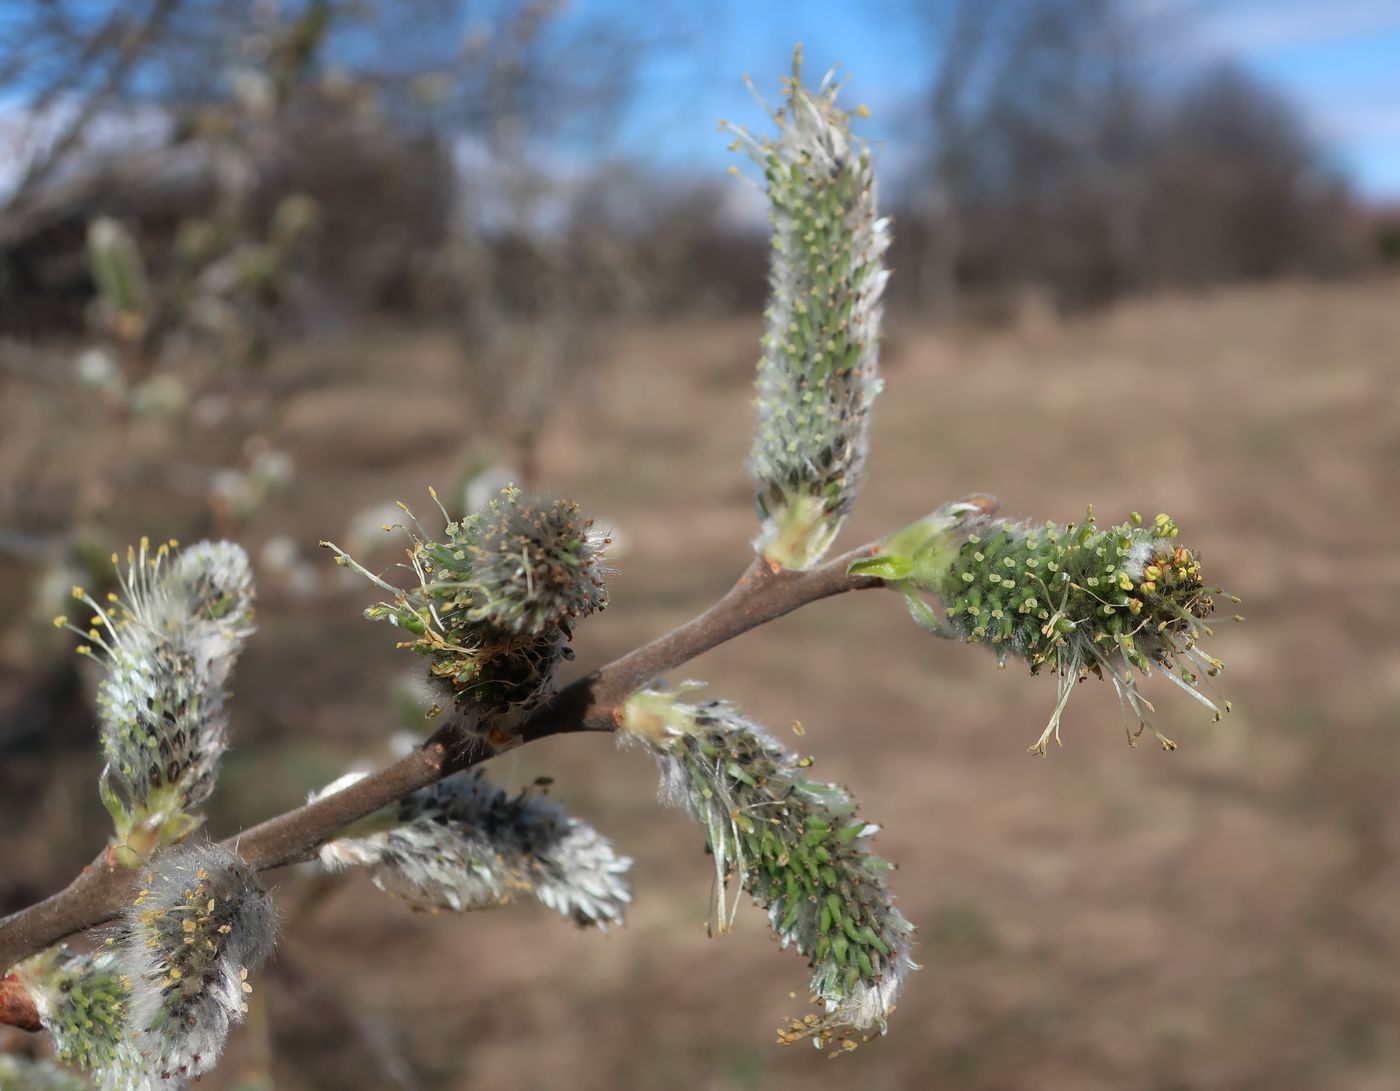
(1226, 916)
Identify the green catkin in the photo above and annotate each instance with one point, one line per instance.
(82, 1003)
(817, 377)
(795, 845)
(1079, 599)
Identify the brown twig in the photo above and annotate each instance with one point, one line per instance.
(593, 703)
(16, 1006)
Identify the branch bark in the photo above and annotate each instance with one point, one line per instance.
(17, 1007)
(592, 703)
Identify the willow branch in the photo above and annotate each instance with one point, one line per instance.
(17, 1008)
(592, 703)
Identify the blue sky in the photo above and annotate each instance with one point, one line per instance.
(1338, 59)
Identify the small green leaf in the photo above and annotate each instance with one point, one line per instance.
(924, 615)
(885, 567)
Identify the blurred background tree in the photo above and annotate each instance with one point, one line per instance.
(468, 160)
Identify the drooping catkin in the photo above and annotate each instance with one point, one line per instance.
(465, 844)
(168, 643)
(817, 377)
(199, 927)
(795, 845)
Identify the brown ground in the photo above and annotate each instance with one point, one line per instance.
(1224, 916)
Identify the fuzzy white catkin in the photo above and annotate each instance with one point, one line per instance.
(169, 642)
(199, 927)
(464, 844)
(817, 378)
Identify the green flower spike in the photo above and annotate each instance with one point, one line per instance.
(1113, 603)
(795, 845)
(817, 377)
(82, 1002)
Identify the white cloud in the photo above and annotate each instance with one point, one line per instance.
(1255, 27)
(1372, 124)
(26, 135)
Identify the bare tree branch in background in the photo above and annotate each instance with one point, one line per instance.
(132, 44)
(961, 39)
(1065, 156)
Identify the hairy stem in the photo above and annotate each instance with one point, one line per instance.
(592, 703)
